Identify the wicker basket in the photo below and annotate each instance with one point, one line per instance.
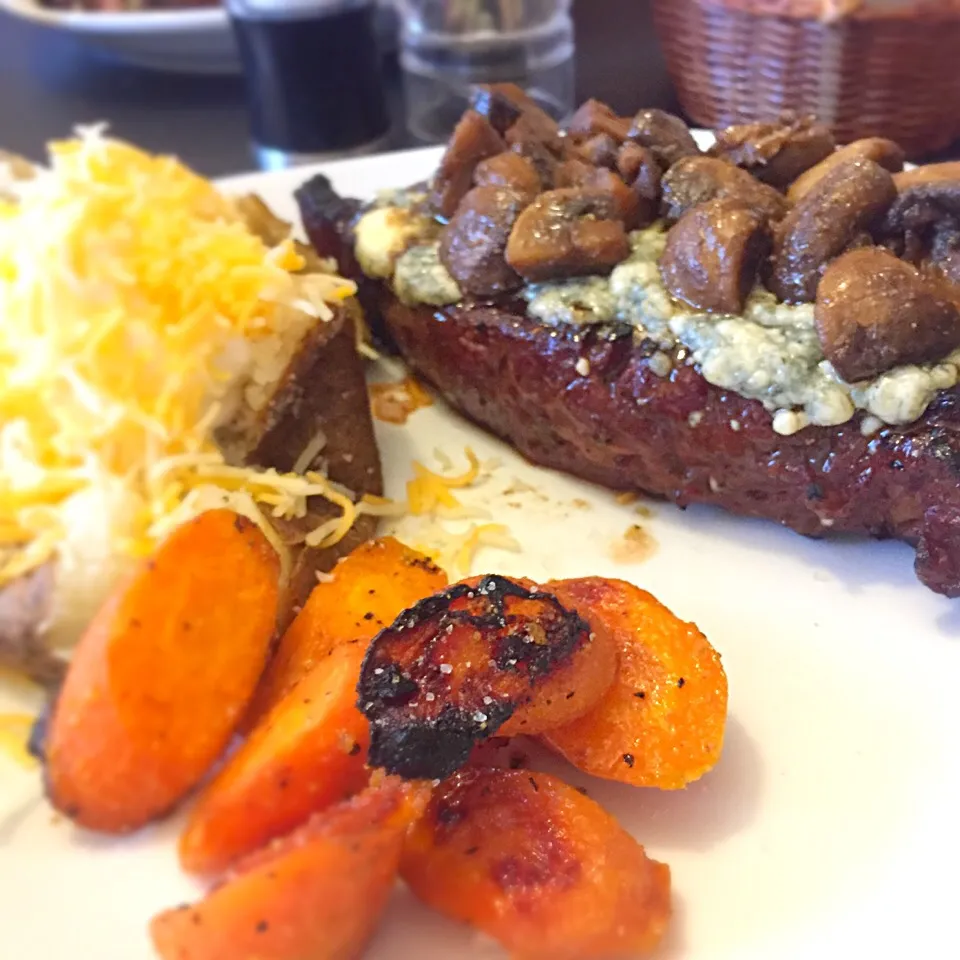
(892, 75)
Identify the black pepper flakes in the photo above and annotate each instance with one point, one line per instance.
(262, 926)
(571, 694)
(640, 695)
(470, 851)
(681, 682)
(628, 759)
(582, 790)
(368, 615)
(533, 783)
(355, 749)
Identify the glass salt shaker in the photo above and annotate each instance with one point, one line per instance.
(447, 45)
(313, 75)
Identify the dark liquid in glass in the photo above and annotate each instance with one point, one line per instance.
(314, 82)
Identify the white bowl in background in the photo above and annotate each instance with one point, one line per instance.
(197, 40)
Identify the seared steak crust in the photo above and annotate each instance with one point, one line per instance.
(621, 424)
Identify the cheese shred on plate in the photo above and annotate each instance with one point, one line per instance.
(137, 314)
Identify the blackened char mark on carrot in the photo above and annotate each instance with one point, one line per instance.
(453, 668)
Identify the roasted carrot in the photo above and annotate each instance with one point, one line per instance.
(163, 674)
(314, 895)
(453, 669)
(308, 752)
(661, 724)
(368, 589)
(538, 866)
(572, 686)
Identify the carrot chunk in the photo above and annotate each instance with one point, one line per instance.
(308, 752)
(163, 674)
(572, 686)
(368, 589)
(533, 863)
(316, 894)
(662, 722)
(453, 669)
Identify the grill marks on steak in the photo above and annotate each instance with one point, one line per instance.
(633, 430)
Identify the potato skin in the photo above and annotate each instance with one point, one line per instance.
(661, 723)
(161, 678)
(323, 391)
(532, 862)
(25, 605)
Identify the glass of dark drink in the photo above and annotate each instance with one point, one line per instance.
(313, 76)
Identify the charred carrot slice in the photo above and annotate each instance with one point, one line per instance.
(368, 589)
(538, 866)
(452, 670)
(163, 674)
(662, 722)
(308, 752)
(314, 895)
(572, 686)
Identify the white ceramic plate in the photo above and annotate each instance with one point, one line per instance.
(176, 41)
(829, 828)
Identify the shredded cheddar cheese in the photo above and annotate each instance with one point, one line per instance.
(14, 732)
(430, 499)
(133, 297)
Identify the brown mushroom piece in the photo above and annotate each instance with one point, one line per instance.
(666, 135)
(594, 117)
(576, 173)
(875, 312)
(600, 150)
(543, 159)
(508, 170)
(474, 241)
(508, 106)
(713, 256)
(888, 154)
(572, 173)
(695, 180)
(923, 223)
(642, 172)
(568, 233)
(844, 208)
(473, 140)
(775, 153)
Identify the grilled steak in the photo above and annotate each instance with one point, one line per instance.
(611, 404)
(623, 425)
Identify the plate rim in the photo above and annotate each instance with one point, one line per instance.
(131, 22)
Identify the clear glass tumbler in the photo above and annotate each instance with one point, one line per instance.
(447, 45)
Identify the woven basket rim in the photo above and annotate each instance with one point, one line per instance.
(834, 11)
